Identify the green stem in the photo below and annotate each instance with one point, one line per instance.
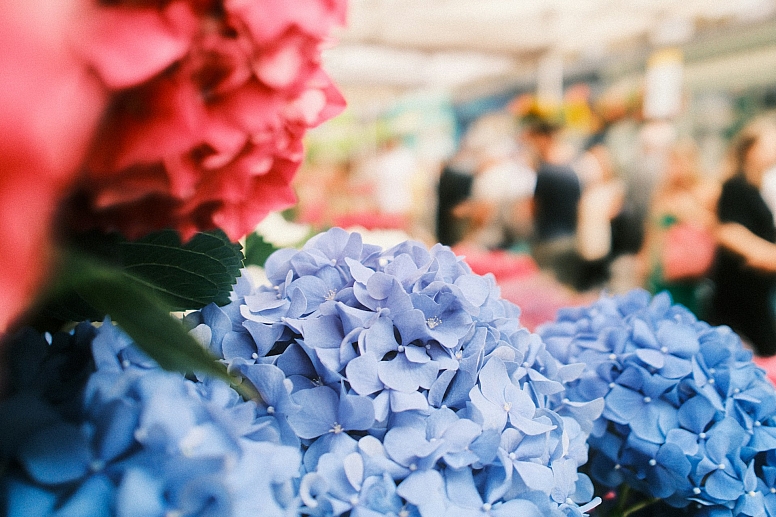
(246, 391)
(624, 493)
(639, 506)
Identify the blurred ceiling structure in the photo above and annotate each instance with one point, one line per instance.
(392, 46)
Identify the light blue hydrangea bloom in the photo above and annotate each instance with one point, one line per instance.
(688, 418)
(141, 442)
(405, 366)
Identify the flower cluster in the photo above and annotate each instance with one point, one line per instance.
(688, 418)
(132, 439)
(138, 115)
(214, 99)
(406, 381)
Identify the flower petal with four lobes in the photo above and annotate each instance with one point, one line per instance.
(322, 411)
(497, 399)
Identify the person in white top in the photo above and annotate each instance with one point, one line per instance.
(768, 190)
(498, 208)
(394, 171)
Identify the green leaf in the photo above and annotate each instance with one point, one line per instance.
(69, 306)
(187, 276)
(149, 325)
(144, 317)
(257, 250)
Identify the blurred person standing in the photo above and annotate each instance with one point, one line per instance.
(555, 202)
(768, 189)
(454, 187)
(600, 209)
(745, 271)
(393, 172)
(501, 189)
(679, 247)
(655, 139)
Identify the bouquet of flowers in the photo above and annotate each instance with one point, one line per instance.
(141, 139)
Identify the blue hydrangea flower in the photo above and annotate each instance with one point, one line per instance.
(323, 411)
(405, 359)
(688, 417)
(143, 442)
(392, 382)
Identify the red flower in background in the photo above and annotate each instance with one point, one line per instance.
(213, 135)
(148, 114)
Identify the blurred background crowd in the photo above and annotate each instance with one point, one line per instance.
(643, 155)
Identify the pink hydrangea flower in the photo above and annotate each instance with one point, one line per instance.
(147, 114)
(214, 99)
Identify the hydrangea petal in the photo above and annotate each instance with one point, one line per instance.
(140, 493)
(353, 465)
(622, 404)
(696, 413)
(382, 405)
(685, 440)
(485, 446)
(27, 500)
(520, 507)
(355, 413)
(56, 454)
(362, 374)
(475, 289)
(720, 485)
(530, 426)
(318, 412)
(675, 367)
(405, 444)
(643, 335)
(115, 434)
(402, 375)
(646, 423)
(416, 354)
(673, 458)
(653, 358)
(564, 473)
(493, 416)
(379, 339)
(460, 434)
(269, 381)
(424, 489)
(544, 385)
(407, 401)
(680, 339)
(129, 46)
(376, 461)
(93, 497)
(535, 476)
(239, 344)
(461, 489)
(493, 380)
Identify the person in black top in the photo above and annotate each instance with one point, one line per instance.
(745, 270)
(555, 201)
(556, 198)
(455, 186)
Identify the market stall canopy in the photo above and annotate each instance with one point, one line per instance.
(409, 44)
